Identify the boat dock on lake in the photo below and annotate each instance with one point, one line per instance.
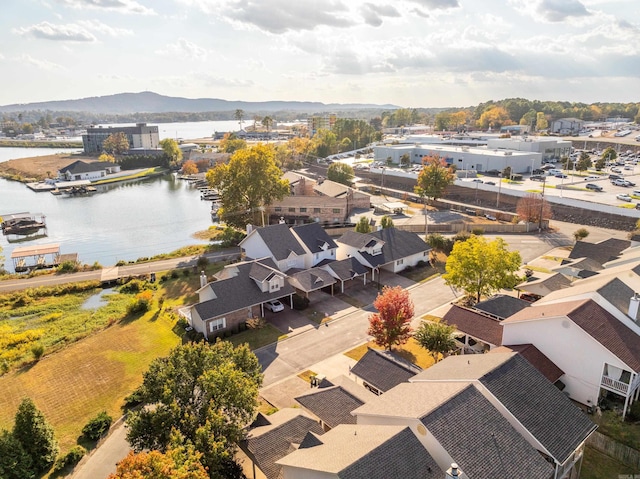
(27, 258)
(22, 224)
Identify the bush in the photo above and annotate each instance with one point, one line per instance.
(477, 231)
(175, 274)
(37, 350)
(300, 302)
(134, 399)
(202, 262)
(97, 426)
(121, 263)
(67, 267)
(133, 286)
(141, 303)
(634, 412)
(70, 459)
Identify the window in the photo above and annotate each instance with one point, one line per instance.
(399, 262)
(303, 210)
(292, 210)
(316, 210)
(278, 209)
(217, 324)
(336, 210)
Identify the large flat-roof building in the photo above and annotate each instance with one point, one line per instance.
(141, 137)
(321, 122)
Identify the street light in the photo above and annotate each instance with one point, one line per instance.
(544, 182)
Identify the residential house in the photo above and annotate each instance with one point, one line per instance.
(389, 249)
(276, 242)
(238, 294)
(380, 371)
(543, 416)
(310, 280)
(546, 285)
(318, 245)
(345, 271)
(83, 170)
(477, 331)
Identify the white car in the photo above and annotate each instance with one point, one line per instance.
(623, 197)
(276, 306)
(592, 178)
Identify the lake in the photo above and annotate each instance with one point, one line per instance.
(120, 221)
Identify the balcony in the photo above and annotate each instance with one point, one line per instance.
(614, 385)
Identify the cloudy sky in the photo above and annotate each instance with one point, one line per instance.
(412, 53)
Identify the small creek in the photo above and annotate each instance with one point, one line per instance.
(97, 300)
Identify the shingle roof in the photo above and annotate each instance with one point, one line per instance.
(367, 451)
(268, 444)
(332, 405)
(601, 252)
(331, 188)
(86, 167)
(239, 292)
(314, 237)
(280, 241)
(536, 403)
(311, 279)
(345, 269)
(617, 293)
(502, 306)
(481, 441)
(397, 244)
(383, 370)
(475, 324)
(538, 360)
(355, 239)
(546, 285)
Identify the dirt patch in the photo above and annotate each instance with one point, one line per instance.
(38, 167)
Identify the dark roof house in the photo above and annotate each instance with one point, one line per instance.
(382, 370)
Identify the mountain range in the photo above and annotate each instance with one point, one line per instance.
(150, 102)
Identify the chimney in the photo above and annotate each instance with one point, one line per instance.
(249, 228)
(203, 279)
(453, 472)
(634, 305)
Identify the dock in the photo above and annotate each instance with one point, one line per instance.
(27, 258)
(22, 224)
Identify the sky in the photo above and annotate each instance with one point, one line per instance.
(411, 53)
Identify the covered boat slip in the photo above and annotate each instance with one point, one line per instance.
(26, 258)
(22, 224)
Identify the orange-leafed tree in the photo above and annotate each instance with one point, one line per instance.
(189, 168)
(391, 325)
(530, 206)
(116, 143)
(179, 463)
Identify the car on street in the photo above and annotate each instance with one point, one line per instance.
(560, 175)
(619, 182)
(592, 178)
(274, 305)
(623, 197)
(493, 183)
(537, 177)
(594, 187)
(477, 180)
(638, 206)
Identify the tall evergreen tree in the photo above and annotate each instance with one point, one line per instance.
(36, 435)
(15, 463)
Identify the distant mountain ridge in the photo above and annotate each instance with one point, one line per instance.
(150, 102)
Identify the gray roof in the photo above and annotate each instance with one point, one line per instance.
(332, 405)
(313, 236)
(546, 285)
(311, 279)
(266, 445)
(481, 441)
(617, 293)
(353, 451)
(601, 252)
(280, 241)
(240, 291)
(397, 244)
(344, 269)
(331, 188)
(383, 370)
(86, 167)
(558, 424)
(501, 306)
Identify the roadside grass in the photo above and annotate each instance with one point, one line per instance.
(257, 338)
(422, 274)
(410, 351)
(597, 465)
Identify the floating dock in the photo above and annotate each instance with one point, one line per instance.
(22, 224)
(27, 258)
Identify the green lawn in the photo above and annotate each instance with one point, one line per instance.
(596, 465)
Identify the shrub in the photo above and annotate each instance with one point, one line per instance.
(133, 286)
(477, 231)
(256, 323)
(97, 426)
(300, 302)
(461, 236)
(141, 303)
(134, 399)
(121, 263)
(67, 267)
(37, 350)
(70, 459)
(202, 262)
(175, 274)
(186, 272)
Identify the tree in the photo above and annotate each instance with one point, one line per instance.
(541, 121)
(437, 338)
(340, 173)
(386, 222)
(530, 206)
(434, 178)
(392, 323)
(116, 144)
(189, 168)
(405, 160)
(609, 154)
(324, 143)
(480, 267)
(267, 122)
(584, 162)
(230, 143)
(494, 117)
(171, 150)
(36, 435)
(247, 184)
(106, 157)
(202, 394)
(178, 463)
(15, 462)
(506, 172)
(600, 164)
(363, 225)
(239, 116)
(580, 234)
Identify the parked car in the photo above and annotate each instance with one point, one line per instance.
(592, 178)
(614, 177)
(616, 170)
(638, 206)
(537, 178)
(490, 217)
(493, 183)
(591, 186)
(274, 305)
(629, 183)
(560, 175)
(623, 197)
(477, 180)
(619, 182)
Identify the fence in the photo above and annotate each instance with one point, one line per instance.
(620, 452)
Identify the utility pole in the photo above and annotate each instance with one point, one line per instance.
(544, 182)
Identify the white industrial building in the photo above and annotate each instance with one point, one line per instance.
(548, 147)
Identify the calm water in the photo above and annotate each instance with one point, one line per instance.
(121, 221)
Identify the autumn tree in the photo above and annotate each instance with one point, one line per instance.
(171, 150)
(340, 173)
(202, 393)
(189, 168)
(324, 143)
(584, 162)
(541, 121)
(494, 117)
(363, 225)
(177, 463)
(391, 325)
(386, 222)
(249, 183)
(230, 143)
(106, 157)
(35, 434)
(437, 338)
(116, 143)
(434, 178)
(530, 206)
(480, 267)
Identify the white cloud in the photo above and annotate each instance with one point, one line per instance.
(552, 11)
(373, 14)
(183, 48)
(48, 31)
(437, 4)
(122, 6)
(98, 26)
(40, 64)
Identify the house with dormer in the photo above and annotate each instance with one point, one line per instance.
(237, 294)
(389, 249)
(276, 242)
(318, 245)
